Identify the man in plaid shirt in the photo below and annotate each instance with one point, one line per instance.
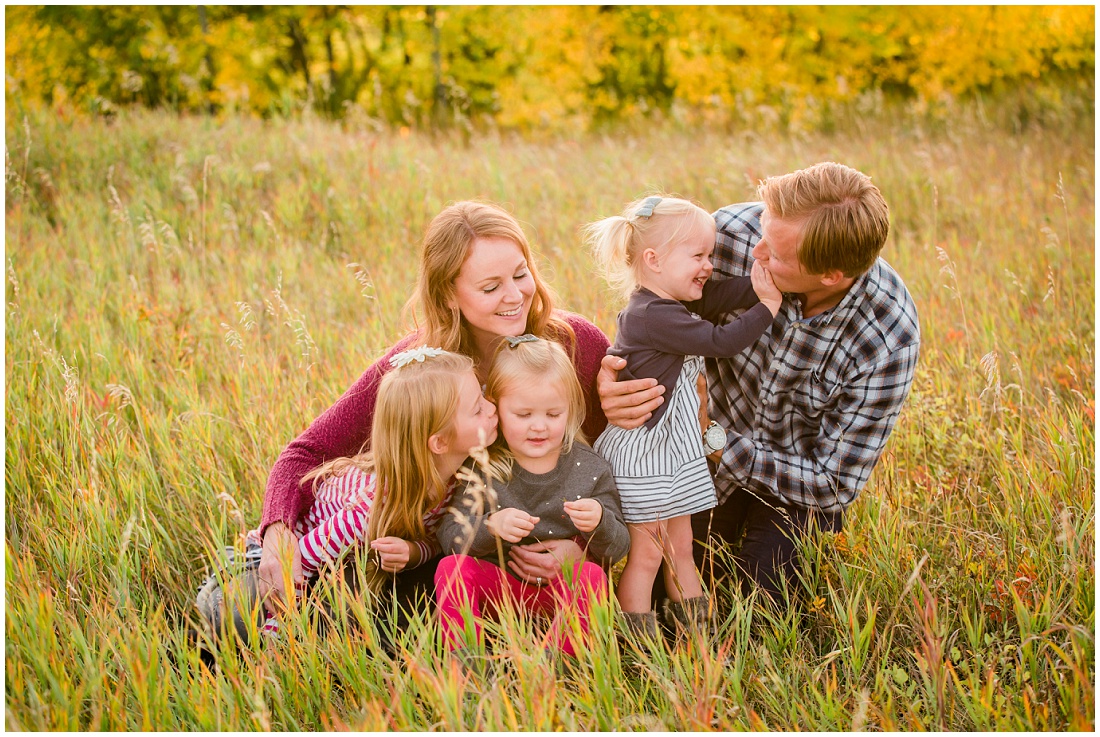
(807, 410)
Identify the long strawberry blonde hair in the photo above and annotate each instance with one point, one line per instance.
(446, 246)
(415, 401)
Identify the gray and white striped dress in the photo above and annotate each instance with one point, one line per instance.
(662, 471)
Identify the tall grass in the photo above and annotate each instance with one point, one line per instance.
(185, 295)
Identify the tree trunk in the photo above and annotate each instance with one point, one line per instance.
(208, 56)
(298, 50)
(439, 108)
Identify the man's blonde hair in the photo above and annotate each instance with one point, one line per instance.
(618, 242)
(843, 217)
(517, 365)
(446, 246)
(415, 401)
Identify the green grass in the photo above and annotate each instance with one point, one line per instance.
(185, 295)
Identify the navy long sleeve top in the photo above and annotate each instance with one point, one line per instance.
(655, 333)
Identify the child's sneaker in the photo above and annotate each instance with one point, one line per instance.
(209, 600)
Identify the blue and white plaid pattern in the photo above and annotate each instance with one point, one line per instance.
(810, 406)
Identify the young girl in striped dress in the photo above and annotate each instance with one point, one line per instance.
(658, 253)
(430, 413)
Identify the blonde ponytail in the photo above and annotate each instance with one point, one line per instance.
(656, 222)
(612, 241)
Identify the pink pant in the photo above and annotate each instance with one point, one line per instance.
(462, 581)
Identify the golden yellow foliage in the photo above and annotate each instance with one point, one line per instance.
(533, 67)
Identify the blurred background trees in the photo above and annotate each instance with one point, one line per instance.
(560, 67)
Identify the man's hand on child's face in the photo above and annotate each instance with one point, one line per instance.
(511, 524)
(585, 513)
(393, 553)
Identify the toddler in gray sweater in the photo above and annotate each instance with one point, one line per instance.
(546, 486)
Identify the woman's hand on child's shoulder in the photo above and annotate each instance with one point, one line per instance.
(393, 553)
(511, 524)
(585, 514)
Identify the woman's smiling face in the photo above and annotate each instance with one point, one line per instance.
(493, 289)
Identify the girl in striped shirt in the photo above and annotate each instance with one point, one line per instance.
(430, 413)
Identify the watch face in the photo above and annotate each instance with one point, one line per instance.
(715, 437)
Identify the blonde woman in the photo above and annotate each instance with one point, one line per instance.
(478, 283)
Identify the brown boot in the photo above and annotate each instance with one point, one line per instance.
(692, 616)
(641, 627)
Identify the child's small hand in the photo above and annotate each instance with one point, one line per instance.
(393, 553)
(585, 513)
(511, 524)
(765, 288)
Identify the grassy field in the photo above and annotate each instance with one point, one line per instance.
(185, 295)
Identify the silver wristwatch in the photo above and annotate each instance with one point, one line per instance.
(714, 438)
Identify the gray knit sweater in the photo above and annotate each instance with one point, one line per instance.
(579, 473)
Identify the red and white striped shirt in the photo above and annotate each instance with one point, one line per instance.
(339, 518)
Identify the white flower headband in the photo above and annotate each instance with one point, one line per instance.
(404, 358)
